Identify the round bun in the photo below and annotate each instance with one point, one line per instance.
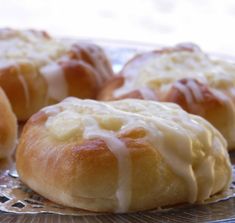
(184, 75)
(121, 156)
(37, 70)
(8, 127)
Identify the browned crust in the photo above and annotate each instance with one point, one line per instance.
(106, 92)
(94, 56)
(23, 103)
(133, 94)
(8, 127)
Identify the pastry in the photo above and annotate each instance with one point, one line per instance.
(122, 156)
(37, 70)
(8, 127)
(184, 75)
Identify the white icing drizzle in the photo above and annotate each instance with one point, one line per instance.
(185, 91)
(147, 93)
(54, 76)
(182, 167)
(119, 149)
(195, 90)
(178, 136)
(190, 90)
(25, 88)
(51, 110)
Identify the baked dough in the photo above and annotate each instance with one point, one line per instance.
(8, 127)
(122, 156)
(37, 70)
(200, 84)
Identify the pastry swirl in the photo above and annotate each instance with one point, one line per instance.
(121, 156)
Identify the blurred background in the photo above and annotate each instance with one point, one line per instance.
(209, 23)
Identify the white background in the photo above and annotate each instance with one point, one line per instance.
(209, 23)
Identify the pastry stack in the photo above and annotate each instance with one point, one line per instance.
(154, 135)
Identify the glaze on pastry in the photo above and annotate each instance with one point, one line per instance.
(184, 75)
(8, 127)
(122, 156)
(37, 70)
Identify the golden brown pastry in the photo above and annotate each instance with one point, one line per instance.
(37, 70)
(184, 75)
(8, 127)
(122, 156)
